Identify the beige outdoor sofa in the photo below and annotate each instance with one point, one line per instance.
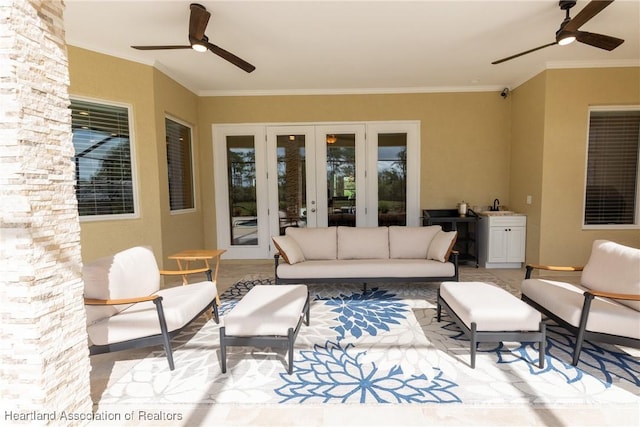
(127, 309)
(365, 255)
(604, 307)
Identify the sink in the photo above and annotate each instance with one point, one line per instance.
(498, 213)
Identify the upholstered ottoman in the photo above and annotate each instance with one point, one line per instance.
(267, 316)
(487, 313)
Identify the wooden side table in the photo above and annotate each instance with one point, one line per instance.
(199, 255)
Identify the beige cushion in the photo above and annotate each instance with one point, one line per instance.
(411, 242)
(180, 304)
(565, 301)
(315, 243)
(613, 267)
(267, 310)
(442, 245)
(490, 307)
(362, 268)
(363, 243)
(288, 248)
(127, 274)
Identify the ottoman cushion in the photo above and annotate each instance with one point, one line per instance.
(267, 310)
(490, 307)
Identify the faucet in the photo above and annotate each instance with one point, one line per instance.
(496, 204)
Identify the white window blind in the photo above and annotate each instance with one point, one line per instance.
(612, 168)
(104, 184)
(179, 165)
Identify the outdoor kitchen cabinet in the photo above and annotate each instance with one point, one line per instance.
(502, 241)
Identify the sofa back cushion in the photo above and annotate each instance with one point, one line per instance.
(411, 242)
(363, 243)
(613, 267)
(315, 243)
(442, 245)
(127, 274)
(288, 249)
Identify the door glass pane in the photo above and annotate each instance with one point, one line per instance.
(341, 179)
(392, 179)
(241, 174)
(292, 185)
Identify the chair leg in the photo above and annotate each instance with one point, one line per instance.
(291, 339)
(543, 343)
(216, 316)
(223, 351)
(439, 306)
(582, 327)
(308, 317)
(165, 332)
(474, 345)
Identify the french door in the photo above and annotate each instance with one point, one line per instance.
(270, 177)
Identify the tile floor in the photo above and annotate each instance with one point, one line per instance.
(108, 368)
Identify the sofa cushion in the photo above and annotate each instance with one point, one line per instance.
(366, 268)
(363, 243)
(114, 277)
(288, 248)
(442, 245)
(615, 268)
(411, 242)
(315, 243)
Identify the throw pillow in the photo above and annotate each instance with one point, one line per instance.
(288, 248)
(442, 245)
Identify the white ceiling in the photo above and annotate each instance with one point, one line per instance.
(318, 47)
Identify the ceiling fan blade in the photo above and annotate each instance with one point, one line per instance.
(198, 21)
(587, 12)
(162, 47)
(523, 53)
(238, 62)
(598, 40)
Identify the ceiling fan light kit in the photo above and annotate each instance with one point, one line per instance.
(569, 29)
(566, 40)
(198, 21)
(199, 47)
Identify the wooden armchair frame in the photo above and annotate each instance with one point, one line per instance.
(581, 333)
(165, 336)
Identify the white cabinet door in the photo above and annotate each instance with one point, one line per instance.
(516, 244)
(498, 244)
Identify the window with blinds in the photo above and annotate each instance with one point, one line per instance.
(611, 194)
(179, 165)
(104, 178)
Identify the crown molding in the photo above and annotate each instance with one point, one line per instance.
(350, 91)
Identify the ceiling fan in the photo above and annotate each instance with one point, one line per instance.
(198, 41)
(569, 33)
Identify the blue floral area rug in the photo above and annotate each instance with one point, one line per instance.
(380, 346)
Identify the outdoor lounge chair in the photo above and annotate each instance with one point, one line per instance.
(127, 309)
(604, 307)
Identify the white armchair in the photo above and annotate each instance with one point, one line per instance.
(127, 309)
(604, 307)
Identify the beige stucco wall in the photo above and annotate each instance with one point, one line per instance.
(527, 142)
(106, 78)
(465, 138)
(550, 125)
(476, 146)
(179, 230)
(569, 95)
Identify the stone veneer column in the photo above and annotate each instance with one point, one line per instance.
(44, 361)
